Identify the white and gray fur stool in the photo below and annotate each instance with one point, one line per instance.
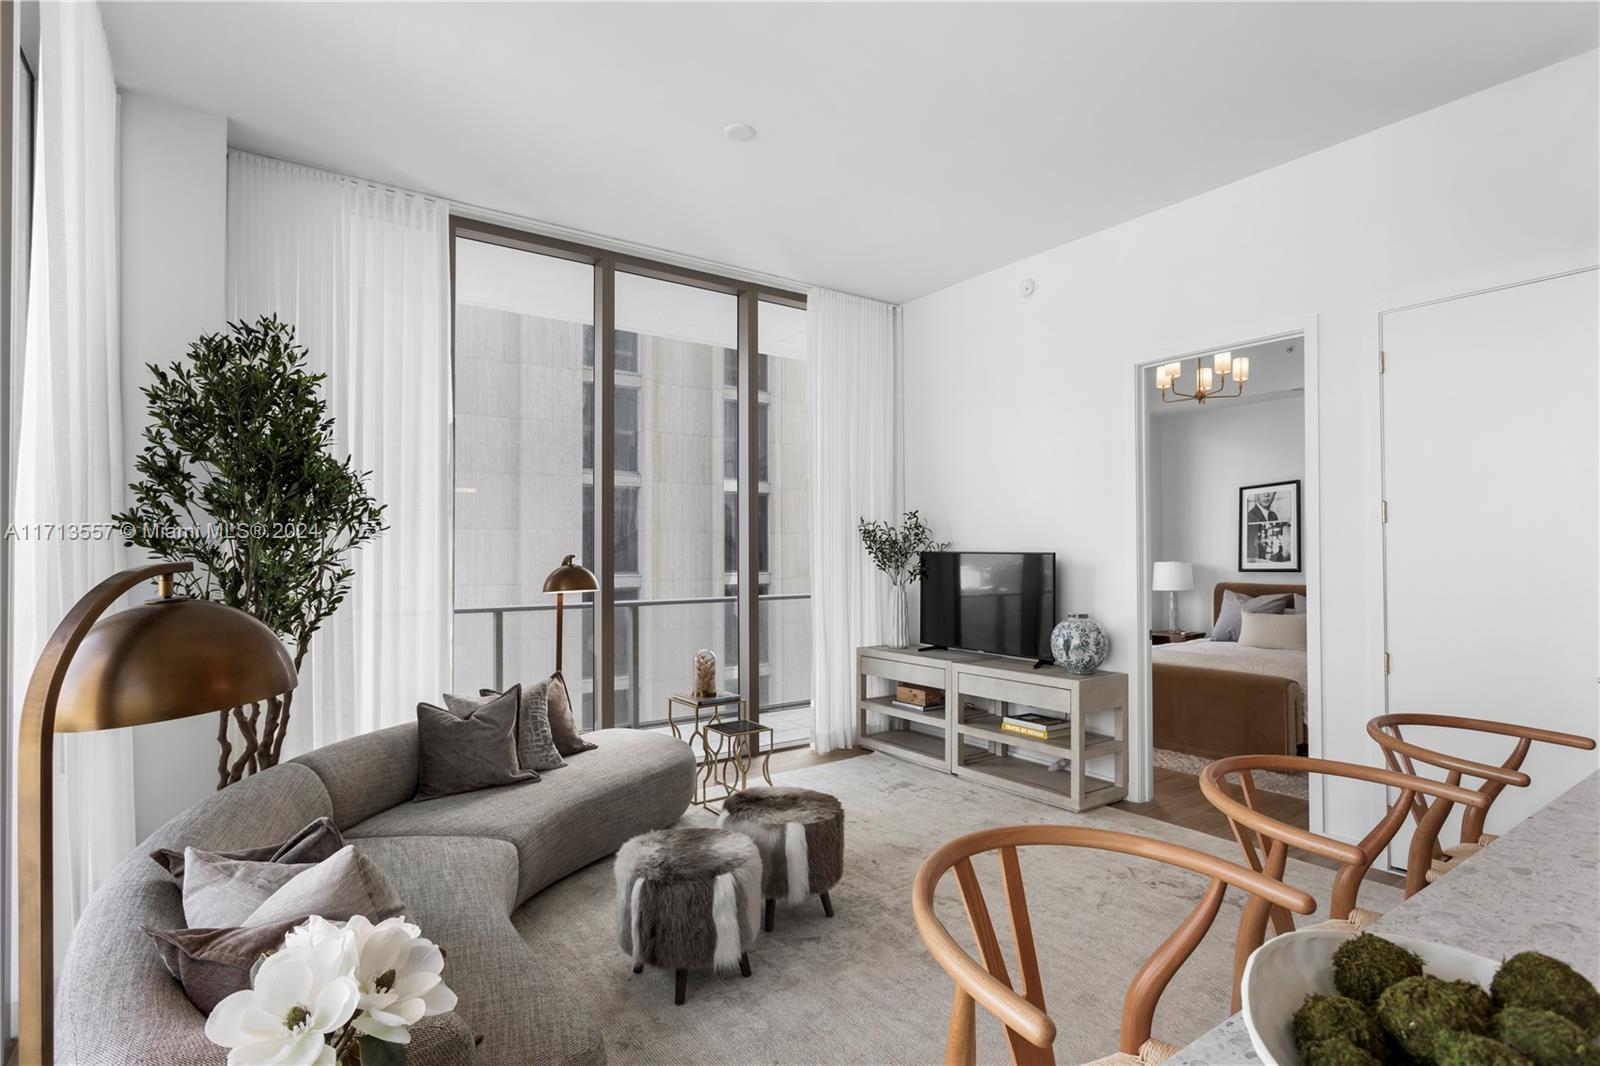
(801, 836)
(688, 899)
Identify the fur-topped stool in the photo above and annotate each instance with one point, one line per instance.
(687, 899)
(801, 837)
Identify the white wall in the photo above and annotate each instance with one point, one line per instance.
(1024, 409)
(174, 230)
(1199, 459)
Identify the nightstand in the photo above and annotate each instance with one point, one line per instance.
(1173, 636)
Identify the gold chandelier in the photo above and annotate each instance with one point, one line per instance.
(1208, 380)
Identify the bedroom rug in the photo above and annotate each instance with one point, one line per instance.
(860, 988)
(1295, 785)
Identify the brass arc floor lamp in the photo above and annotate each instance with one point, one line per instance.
(568, 577)
(170, 657)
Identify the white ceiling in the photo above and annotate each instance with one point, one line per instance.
(901, 147)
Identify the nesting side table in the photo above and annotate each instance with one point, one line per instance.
(706, 710)
(729, 769)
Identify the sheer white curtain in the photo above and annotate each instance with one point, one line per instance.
(362, 272)
(854, 350)
(69, 442)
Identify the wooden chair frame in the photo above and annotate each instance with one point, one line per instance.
(1254, 830)
(1402, 756)
(1030, 1032)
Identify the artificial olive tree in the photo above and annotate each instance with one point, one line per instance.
(239, 473)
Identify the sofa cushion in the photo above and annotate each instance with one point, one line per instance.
(631, 783)
(463, 752)
(368, 773)
(461, 892)
(536, 744)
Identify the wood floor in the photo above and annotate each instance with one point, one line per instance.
(1178, 801)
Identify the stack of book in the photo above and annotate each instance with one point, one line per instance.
(1036, 725)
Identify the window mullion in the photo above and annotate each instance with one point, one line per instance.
(749, 510)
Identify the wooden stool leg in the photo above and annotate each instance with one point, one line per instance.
(827, 905)
(771, 915)
(744, 965)
(681, 992)
(638, 967)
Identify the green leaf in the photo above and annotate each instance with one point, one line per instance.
(375, 1052)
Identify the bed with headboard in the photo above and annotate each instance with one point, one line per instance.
(1218, 698)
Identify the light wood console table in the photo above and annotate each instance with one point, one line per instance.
(1087, 768)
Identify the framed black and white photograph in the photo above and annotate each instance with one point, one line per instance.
(1269, 527)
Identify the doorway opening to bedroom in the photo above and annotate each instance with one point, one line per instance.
(1225, 529)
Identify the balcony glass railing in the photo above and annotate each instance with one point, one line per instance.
(656, 642)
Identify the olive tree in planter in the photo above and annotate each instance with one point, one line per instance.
(239, 475)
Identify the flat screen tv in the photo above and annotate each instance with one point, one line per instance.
(1002, 603)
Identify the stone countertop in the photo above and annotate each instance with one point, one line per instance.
(1536, 888)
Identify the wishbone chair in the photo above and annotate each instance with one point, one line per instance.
(1431, 861)
(1030, 1031)
(1253, 830)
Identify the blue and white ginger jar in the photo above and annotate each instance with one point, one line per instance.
(1079, 645)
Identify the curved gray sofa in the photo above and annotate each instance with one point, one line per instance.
(462, 864)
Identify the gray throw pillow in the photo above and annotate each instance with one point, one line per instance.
(562, 724)
(336, 889)
(219, 893)
(466, 752)
(213, 964)
(1234, 604)
(536, 748)
(315, 842)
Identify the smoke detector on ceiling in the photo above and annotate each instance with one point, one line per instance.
(739, 131)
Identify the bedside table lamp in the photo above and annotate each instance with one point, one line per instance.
(1172, 578)
(170, 657)
(568, 577)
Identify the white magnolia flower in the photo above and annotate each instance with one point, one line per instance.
(398, 971)
(301, 994)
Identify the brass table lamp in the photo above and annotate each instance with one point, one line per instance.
(170, 657)
(568, 577)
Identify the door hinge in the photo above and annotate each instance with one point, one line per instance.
(1382, 361)
(1385, 662)
(1383, 510)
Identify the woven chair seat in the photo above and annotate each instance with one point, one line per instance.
(1359, 919)
(1455, 855)
(1151, 1053)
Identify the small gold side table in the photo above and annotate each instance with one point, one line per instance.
(711, 707)
(731, 771)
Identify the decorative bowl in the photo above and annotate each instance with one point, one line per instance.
(1281, 973)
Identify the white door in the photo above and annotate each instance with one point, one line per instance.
(1492, 545)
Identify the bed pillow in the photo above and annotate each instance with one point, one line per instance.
(1299, 605)
(1282, 631)
(1234, 604)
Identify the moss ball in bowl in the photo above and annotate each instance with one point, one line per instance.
(1529, 979)
(1472, 1049)
(1336, 1052)
(1544, 1037)
(1419, 1010)
(1322, 1018)
(1367, 964)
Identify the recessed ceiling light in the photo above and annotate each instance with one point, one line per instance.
(739, 131)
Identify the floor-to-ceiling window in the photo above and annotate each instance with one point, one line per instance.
(524, 427)
(533, 406)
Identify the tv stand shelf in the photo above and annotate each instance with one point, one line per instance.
(1085, 768)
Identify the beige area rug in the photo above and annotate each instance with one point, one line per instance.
(860, 988)
(1284, 784)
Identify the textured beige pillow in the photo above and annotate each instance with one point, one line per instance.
(336, 888)
(1285, 631)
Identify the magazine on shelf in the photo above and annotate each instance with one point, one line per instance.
(1036, 725)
